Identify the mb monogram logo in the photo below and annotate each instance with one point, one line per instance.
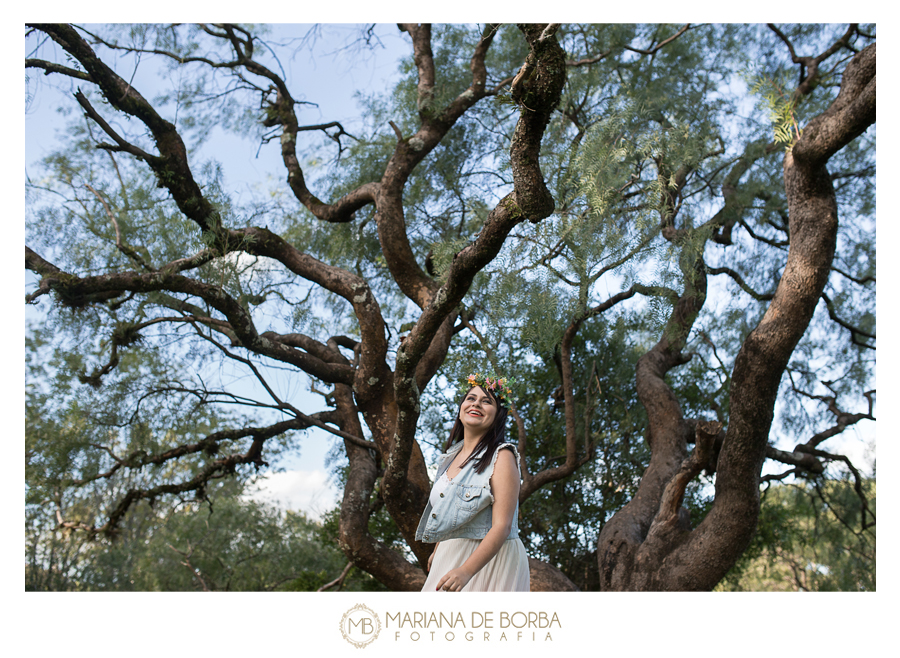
(360, 626)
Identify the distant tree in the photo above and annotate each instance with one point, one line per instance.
(233, 544)
(815, 537)
(597, 207)
(224, 540)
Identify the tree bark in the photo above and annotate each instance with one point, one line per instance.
(635, 554)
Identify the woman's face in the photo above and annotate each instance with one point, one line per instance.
(478, 410)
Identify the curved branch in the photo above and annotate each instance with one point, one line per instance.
(181, 59)
(652, 50)
(624, 540)
(760, 297)
(214, 470)
(435, 124)
(50, 67)
(121, 144)
(810, 65)
(854, 331)
(280, 112)
(851, 113)
(353, 288)
(587, 61)
(843, 419)
(171, 166)
(339, 581)
(308, 344)
(777, 477)
(857, 487)
(860, 281)
(780, 244)
(728, 527)
(354, 537)
(532, 483)
(71, 287)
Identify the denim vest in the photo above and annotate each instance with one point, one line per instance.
(466, 506)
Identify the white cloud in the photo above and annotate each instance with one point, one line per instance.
(308, 491)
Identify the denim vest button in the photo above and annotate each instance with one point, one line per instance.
(434, 516)
(442, 495)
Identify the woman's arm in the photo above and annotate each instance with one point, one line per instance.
(505, 488)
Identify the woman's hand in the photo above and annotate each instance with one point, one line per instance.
(455, 580)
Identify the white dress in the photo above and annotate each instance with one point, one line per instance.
(507, 571)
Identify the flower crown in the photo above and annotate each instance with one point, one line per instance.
(500, 387)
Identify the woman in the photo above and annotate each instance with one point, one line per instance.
(472, 513)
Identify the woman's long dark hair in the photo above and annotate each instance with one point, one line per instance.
(487, 446)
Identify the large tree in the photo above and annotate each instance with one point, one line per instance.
(514, 177)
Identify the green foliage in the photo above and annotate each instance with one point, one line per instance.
(229, 542)
(232, 544)
(782, 107)
(811, 538)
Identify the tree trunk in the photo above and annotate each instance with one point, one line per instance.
(644, 548)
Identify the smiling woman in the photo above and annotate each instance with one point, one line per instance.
(472, 512)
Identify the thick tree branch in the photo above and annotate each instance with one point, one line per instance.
(621, 544)
(354, 538)
(351, 287)
(308, 344)
(761, 362)
(801, 461)
(673, 495)
(171, 166)
(424, 59)
(91, 288)
(846, 118)
(435, 124)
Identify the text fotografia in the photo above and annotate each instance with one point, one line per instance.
(479, 626)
